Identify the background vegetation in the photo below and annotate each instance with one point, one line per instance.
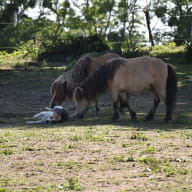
(71, 28)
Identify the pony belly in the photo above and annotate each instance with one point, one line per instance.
(132, 86)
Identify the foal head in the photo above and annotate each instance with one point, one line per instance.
(58, 91)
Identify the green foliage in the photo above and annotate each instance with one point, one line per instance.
(135, 53)
(99, 26)
(14, 36)
(180, 17)
(74, 47)
(169, 52)
(3, 190)
(29, 49)
(20, 59)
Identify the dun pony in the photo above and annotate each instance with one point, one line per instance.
(63, 87)
(124, 76)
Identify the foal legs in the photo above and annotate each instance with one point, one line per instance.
(124, 101)
(156, 101)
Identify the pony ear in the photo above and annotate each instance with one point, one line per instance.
(80, 89)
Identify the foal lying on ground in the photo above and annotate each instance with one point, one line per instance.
(123, 76)
(52, 115)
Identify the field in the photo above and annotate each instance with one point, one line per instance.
(94, 154)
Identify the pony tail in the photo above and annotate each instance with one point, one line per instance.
(171, 91)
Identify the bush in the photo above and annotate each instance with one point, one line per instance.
(170, 53)
(74, 47)
(188, 50)
(136, 53)
(29, 50)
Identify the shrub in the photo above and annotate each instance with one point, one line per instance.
(74, 47)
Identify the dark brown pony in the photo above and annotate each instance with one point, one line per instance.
(63, 86)
(122, 76)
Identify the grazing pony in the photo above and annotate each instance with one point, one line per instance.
(63, 87)
(123, 76)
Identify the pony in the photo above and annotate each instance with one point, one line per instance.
(63, 87)
(121, 76)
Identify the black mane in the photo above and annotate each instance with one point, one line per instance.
(81, 70)
(97, 83)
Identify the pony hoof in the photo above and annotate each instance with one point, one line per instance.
(133, 116)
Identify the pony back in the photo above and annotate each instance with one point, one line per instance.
(87, 65)
(81, 69)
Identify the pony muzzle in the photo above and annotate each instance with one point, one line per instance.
(81, 112)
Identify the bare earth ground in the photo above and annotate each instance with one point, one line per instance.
(93, 154)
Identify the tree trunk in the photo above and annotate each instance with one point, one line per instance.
(149, 27)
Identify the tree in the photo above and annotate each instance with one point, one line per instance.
(97, 16)
(148, 21)
(179, 16)
(13, 11)
(127, 20)
(64, 14)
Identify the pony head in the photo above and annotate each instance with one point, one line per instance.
(80, 101)
(58, 91)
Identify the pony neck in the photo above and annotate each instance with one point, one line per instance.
(95, 84)
(70, 87)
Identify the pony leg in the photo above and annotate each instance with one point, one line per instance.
(124, 101)
(96, 108)
(115, 106)
(156, 101)
(122, 104)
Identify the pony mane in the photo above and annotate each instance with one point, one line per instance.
(97, 82)
(81, 69)
(98, 54)
(55, 85)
